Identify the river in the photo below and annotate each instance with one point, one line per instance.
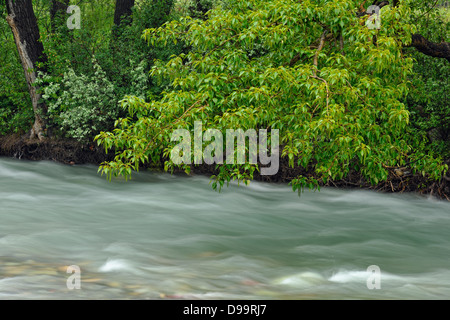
(162, 236)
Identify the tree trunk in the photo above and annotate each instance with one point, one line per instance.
(123, 10)
(25, 29)
(58, 8)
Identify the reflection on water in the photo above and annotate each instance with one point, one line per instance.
(161, 237)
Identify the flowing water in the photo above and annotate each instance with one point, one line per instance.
(160, 236)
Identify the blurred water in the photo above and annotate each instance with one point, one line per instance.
(162, 236)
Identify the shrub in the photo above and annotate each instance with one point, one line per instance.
(83, 105)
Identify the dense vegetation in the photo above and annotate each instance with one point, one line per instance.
(344, 96)
(429, 96)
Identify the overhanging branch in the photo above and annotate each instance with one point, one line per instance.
(423, 45)
(432, 49)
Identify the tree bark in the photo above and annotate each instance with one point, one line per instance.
(123, 10)
(432, 49)
(23, 23)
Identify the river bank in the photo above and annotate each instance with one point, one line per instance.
(71, 152)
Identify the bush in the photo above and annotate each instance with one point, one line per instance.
(83, 105)
(15, 117)
(429, 103)
(428, 99)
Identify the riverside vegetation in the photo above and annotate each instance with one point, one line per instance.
(354, 105)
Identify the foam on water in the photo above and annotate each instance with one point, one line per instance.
(113, 265)
(304, 279)
(348, 276)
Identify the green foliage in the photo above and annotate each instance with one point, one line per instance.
(195, 8)
(80, 104)
(199, 8)
(15, 116)
(75, 48)
(429, 102)
(129, 44)
(84, 105)
(123, 55)
(365, 107)
(428, 99)
(83, 97)
(343, 113)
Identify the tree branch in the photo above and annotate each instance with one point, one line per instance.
(316, 56)
(437, 50)
(326, 87)
(432, 49)
(315, 44)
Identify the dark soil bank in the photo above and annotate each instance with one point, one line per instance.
(63, 151)
(72, 152)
